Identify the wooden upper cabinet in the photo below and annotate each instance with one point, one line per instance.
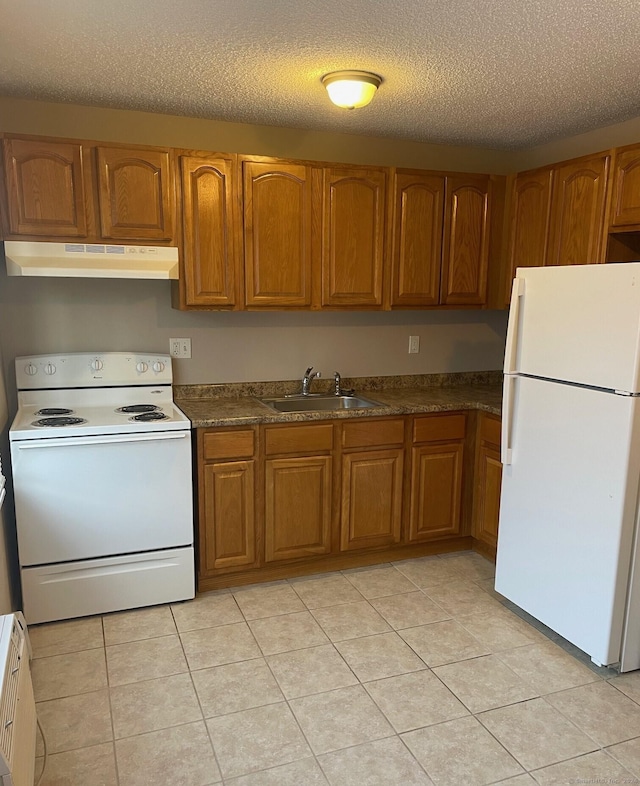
(578, 212)
(530, 219)
(135, 194)
(45, 188)
(277, 234)
(625, 205)
(418, 207)
(353, 236)
(466, 240)
(210, 251)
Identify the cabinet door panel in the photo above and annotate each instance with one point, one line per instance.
(625, 209)
(353, 237)
(227, 528)
(530, 219)
(297, 507)
(488, 483)
(466, 241)
(277, 225)
(436, 491)
(135, 194)
(417, 239)
(371, 499)
(210, 253)
(45, 188)
(578, 213)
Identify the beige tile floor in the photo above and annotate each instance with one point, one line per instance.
(406, 674)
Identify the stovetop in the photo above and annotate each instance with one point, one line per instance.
(91, 401)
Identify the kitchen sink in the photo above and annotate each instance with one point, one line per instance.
(317, 402)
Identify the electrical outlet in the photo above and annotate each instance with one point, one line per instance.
(414, 344)
(180, 347)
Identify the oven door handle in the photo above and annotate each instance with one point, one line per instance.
(106, 440)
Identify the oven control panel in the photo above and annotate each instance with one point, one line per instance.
(84, 369)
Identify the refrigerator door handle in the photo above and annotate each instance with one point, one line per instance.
(511, 349)
(508, 397)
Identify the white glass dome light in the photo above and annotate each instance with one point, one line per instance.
(351, 89)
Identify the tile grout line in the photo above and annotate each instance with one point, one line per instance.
(197, 695)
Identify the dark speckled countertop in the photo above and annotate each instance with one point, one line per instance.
(237, 404)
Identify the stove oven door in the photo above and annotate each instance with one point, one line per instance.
(79, 498)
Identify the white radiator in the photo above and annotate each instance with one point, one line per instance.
(17, 705)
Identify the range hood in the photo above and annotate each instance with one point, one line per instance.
(80, 260)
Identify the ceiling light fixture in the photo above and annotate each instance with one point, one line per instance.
(351, 89)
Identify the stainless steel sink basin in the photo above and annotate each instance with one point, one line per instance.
(315, 402)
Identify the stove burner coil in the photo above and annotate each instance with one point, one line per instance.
(54, 411)
(57, 421)
(133, 408)
(145, 417)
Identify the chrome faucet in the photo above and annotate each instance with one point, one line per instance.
(338, 390)
(307, 379)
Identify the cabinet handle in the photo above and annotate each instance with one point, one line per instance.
(8, 723)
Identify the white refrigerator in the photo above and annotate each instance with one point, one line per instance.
(568, 546)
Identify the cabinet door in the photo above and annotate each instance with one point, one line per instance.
(417, 239)
(489, 481)
(297, 507)
(227, 517)
(353, 237)
(371, 499)
(45, 188)
(578, 212)
(135, 192)
(530, 218)
(466, 241)
(277, 234)
(210, 250)
(436, 491)
(625, 208)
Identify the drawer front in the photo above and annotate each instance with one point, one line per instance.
(439, 428)
(228, 444)
(370, 433)
(490, 429)
(298, 439)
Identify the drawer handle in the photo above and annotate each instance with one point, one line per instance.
(8, 723)
(15, 670)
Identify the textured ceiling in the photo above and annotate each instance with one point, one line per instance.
(507, 74)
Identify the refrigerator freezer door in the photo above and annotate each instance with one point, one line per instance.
(568, 511)
(578, 323)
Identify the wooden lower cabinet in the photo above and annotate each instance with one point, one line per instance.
(371, 499)
(227, 508)
(488, 481)
(287, 499)
(437, 458)
(298, 490)
(372, 477)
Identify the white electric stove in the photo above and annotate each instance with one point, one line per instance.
(101, 460)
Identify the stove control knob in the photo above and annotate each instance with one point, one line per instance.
(142, 367)
(97, 365)
(49, 369)
(30, 370)
(158, 366)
